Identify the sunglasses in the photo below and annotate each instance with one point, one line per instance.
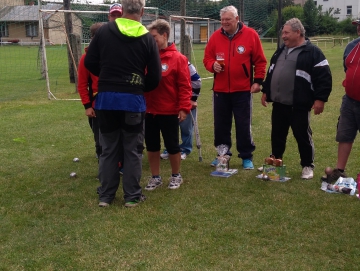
(116, 5)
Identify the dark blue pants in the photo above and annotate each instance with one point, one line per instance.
(239, 106)
(282, 118)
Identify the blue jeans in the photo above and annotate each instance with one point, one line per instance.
(186, 129)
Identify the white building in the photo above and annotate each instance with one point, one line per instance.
(346, 8)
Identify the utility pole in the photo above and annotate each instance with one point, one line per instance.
(241, 11)
(185, 47)
(279, 41)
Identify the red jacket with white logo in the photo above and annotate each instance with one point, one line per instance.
(87, 84)
(245, 62)
(174, 91)
(352, 69)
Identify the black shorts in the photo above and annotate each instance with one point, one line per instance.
(168, 125)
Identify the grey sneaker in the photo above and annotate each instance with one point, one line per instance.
(153, 183)
(164, 155)
(307, 173)
(103, 204)
(175, 182)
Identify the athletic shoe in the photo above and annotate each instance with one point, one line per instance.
(175, 182)
(103, 204)
(248, 164)
(183, 155)
(164, 155)
(153, 183)
(135, 202)
(214, 162)
(307, 173)
(335, 175)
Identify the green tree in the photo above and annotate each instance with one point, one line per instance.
(311, 18)
(327, 22)
(287, 13)
(345, 27)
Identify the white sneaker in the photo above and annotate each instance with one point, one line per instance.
(153, 183)
(164, 155)
(175, 182)
(307, 173)
(183, 155)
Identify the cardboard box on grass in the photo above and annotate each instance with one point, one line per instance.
(274, 173)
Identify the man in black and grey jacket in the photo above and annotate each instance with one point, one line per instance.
(298, 80)
(125, 57)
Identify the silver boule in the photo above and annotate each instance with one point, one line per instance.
(72, 174)
(76, 159)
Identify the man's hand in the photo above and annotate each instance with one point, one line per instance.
(318, 107)
(182, 115)
(193, 104)
(90, 112)
(217, 67)
(263, 100)
(255, 88)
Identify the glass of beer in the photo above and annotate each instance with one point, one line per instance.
(220, 58)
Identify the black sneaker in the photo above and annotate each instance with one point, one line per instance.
(335, 175)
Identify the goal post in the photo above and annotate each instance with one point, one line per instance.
(55, 45)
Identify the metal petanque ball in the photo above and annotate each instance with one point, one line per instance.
(76, 159)
(73, 175)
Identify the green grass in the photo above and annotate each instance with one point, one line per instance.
(50, 221)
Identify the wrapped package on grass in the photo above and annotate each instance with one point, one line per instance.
(223, 166)
(342, 185)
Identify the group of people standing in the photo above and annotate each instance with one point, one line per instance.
(145, 88)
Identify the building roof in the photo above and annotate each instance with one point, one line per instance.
(25, 13)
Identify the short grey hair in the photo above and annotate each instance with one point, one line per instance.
(132, 6)
(161, 26)
(231, 9)
(296, 25)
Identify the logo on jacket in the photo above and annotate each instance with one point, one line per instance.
(164, 67)
(240, 49)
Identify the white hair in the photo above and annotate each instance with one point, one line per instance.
(231, 9)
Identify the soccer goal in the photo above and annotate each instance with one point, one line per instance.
(65, 35)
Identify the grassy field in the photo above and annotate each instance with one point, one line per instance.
(50, 221)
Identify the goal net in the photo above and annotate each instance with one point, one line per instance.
(65, 36)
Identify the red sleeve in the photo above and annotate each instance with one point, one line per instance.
(209, 55)
(83, 83)
(184, 85)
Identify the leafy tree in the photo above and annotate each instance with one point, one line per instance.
(311, 18)
(287, 13)
(327, 22)
(345, 27)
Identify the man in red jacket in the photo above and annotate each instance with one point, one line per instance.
(349, 120)
(237, 75)
(88, 89)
